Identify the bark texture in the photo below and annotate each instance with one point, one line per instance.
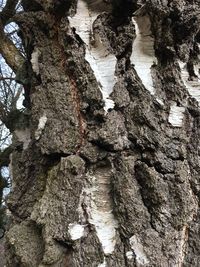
(108, 188)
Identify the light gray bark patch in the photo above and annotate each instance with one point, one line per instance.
(35, 61)
(26, 242)
(59, 121)
(63, 187)
(138, 250)
(41, 125)
(73, 168)
(32, 186)
(24, 136)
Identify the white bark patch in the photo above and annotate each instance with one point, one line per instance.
(182, 245)
(76, 231)
(160, 101)
(193, 87)
(10, 166)
(35, 61)
(24, 136)
(129, 255)
(138, 249)
(143, 54)
(41, 125)
(102, 264)
(102, 62)
(103, 65)
(197, 69)
(96, 198)
(176, 115)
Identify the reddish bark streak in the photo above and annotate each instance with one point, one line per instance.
(73, 88)
(76, 98)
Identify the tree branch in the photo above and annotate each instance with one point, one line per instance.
(7, 78)
(5, 156)
(8, 11)
(16, 98)
(10, 53)
(3, 112)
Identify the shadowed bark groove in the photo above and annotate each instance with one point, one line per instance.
(118, 186)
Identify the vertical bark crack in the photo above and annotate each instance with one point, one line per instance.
(82, 124)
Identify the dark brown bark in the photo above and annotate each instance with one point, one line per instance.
(8, 11)
(128, 179)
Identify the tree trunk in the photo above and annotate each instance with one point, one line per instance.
(107, 170)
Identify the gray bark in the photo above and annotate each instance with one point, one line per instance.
(116, 188)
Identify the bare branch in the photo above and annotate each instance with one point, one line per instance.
(6, 78)
(3, 112)
(16, 98)
(4, 156)
(9, 51)
(8, 11)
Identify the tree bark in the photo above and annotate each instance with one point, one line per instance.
(107, 173)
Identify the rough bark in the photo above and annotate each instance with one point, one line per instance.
(118, 187)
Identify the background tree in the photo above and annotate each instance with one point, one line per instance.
(105, 156)
(10, 93)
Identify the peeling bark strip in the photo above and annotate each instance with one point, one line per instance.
(176, 115)
(97, 55)
(41, 125)
(130, 196)
(143, 56)
(138, 251)
(23, 136)
(97, 203)
(191, 83)
(183, 244)
(35, 61)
